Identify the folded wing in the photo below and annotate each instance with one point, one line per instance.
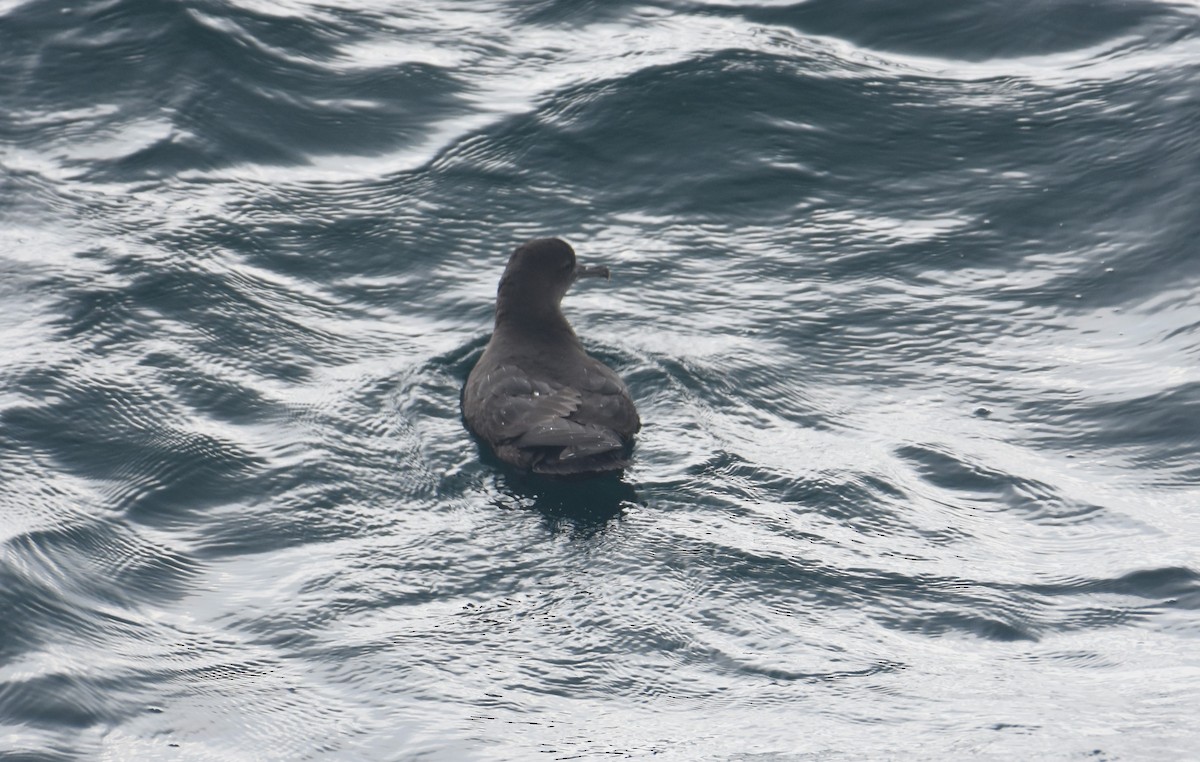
(552, 429)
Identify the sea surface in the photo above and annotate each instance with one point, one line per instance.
(907, 293)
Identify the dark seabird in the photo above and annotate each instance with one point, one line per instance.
(535, 396)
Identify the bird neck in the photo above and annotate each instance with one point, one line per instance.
(535, 320)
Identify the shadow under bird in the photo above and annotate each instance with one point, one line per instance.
(535, 396)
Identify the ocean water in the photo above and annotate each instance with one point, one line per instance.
(907, 293)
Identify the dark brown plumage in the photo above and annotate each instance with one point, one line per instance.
(535, 396)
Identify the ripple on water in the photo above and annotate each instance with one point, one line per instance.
(988, 31)
(904, 296)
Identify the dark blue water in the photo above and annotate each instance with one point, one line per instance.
(908, 295)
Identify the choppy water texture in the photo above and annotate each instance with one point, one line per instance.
(907, 294)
